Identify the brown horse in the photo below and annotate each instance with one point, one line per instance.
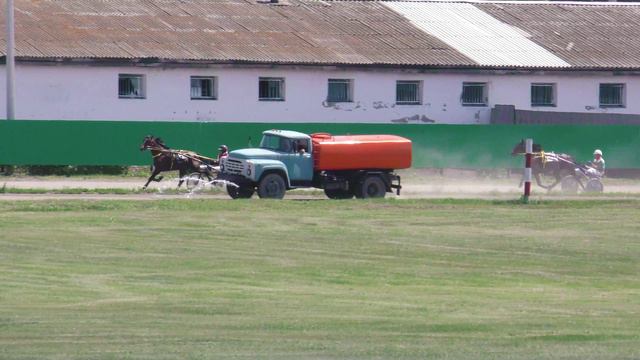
(167, 159)
(547, 163)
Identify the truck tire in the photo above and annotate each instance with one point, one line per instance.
(338, 193)
(272, 186)
(371, 187)
(241, 192)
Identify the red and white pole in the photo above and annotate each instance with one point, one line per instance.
(527, 168)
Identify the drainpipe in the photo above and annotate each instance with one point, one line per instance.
(10, 62)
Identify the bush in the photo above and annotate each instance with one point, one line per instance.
(7, 170)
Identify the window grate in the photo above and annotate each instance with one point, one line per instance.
(203, 88)
(408, 93)
(340, 90)
(474, 94)
(130, 86)
(612, 95)
(543, 95)
(271, 89)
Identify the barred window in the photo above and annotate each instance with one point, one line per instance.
(408, 92)
(474, 94)
(340, 90)
(203, 88)
(612, 95)
(271, 89)
(130, 86)
(543, 95)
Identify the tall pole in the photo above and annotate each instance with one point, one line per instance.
(10, 62)
(527, 168)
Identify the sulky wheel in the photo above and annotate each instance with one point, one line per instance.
(194, 180)
(569, 184)
(272, 186)
(371, 187)
(338, 193)
(593, 186)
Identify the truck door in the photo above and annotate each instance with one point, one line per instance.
(299, 163)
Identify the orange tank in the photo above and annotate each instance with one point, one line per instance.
(356, 152)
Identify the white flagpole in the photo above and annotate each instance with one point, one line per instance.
(10, 59)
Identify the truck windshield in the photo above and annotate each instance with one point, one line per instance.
(278, 143)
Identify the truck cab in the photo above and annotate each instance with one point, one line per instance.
(282, 161)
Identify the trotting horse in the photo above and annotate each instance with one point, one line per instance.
(167, 159)
(547, 163)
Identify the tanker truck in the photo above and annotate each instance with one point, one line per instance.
(343, 166)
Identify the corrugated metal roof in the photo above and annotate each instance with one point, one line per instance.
(476, 34)
(422, 33)
(584, 35)
(295, 31)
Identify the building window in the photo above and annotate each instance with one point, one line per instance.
(612, 95)
(340, 90)
(474, 94)
(271, 89)
(203, 88)
(130, 86)
(543, 95)
(408, 92)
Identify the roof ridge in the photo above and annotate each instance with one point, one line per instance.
(510, 2)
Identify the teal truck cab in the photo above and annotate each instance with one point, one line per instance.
(289, 159)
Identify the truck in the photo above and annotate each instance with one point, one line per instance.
(343, 166)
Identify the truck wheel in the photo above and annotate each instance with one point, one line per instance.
(338, 193)
(241, 192)
(272, 186)
(371, 187)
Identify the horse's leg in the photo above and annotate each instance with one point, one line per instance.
(181, 173)
(539, 182)
(154, 169)
(558, 179)
(152, 178)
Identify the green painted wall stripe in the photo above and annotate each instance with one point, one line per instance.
(56, 142)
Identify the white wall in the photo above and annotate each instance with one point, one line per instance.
(77, 92)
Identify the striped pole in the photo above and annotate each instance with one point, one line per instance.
(527, 168)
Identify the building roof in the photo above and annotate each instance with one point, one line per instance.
(460, 34)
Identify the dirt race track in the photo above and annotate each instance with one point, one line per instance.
(417, 184)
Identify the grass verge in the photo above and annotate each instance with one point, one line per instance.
(415, 279)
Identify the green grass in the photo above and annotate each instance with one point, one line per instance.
(443, 279)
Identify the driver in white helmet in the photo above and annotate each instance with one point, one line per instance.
(597, 164)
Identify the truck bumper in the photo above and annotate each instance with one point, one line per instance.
(236, 179)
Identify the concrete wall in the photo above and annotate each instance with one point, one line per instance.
(83, 92)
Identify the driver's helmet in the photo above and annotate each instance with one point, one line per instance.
(223, 148)
(597, 152)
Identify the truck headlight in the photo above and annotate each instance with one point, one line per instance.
(249, 168)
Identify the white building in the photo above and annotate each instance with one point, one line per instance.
(322, 61)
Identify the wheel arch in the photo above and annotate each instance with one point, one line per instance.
(275, 170)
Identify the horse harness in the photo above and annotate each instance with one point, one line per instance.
(549, 157)
(177, 155)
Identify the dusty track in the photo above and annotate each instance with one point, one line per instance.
(416, 185)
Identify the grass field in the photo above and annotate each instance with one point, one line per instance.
(414, 279)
